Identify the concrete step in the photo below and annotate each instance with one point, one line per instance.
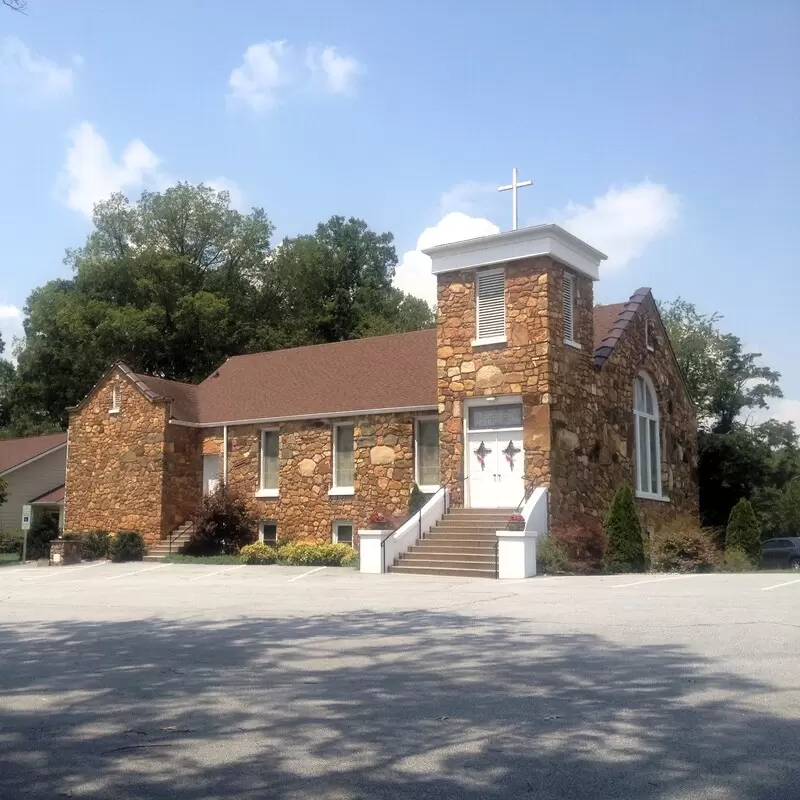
(456, 524)
(154, 557)
(482, 511)
(432, 559)
(462, 536)
(452, 547)
(456, 572)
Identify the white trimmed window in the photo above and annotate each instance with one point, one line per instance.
(270, 465)
(491, 306)
(116, 398)
(426, 448)
(648, 442)
(268, 531)
(343, 532)
(344, 461)
(569, 309)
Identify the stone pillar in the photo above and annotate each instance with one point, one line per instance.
(64, 552)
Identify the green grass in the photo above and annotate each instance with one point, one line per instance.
(8, 559)
(178, 559)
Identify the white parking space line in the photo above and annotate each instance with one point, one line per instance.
(217, 572)
(303, 575)
(779, 585)
(65, 571)
(136, 572)
(650, 580)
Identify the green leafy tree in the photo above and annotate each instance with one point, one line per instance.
(179, 281)
(743, 533)
(723, 380)
(735, 458)
(3, 491)
(624, 545)
(336, 284)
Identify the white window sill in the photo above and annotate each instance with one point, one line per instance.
(489, 340)
(572, 343)
(661, 498)
(429, 489)
(343, 491)
(268, 493)
(114, 411)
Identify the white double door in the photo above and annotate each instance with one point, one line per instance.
(495, 467)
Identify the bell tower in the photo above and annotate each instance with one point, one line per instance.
(514, 320)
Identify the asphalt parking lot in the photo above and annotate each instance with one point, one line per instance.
(185, 681)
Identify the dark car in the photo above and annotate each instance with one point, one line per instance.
(781, 553)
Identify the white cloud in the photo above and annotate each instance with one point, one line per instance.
(264, 71)
(468, 197)
(783, 409)
(10, 327)
(336, 72)
(222, 184)
(413, 275)
(29, 77)
(91, 173)
(623, 222)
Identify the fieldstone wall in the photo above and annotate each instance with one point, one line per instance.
(593, 422)
(522, 365)
(677, 420)
(183, 474)
(115, 463)
(384, 473)
(578, 428)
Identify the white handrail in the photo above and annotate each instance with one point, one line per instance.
(416, 526)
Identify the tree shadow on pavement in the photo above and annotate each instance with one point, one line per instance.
(368, 705)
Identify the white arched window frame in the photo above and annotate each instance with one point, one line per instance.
(648, 438)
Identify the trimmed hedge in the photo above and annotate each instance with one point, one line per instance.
(305, 554)
(551, 557)
(258, 553)
(127, 546)
(11, 542)
(94, 544)
(682, 546)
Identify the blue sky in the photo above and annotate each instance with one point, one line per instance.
(664, 134)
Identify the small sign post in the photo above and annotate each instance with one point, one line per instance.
(26, 526)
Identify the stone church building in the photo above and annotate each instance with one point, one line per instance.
(524, 383)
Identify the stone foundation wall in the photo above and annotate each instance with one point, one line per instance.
(520, 366)
(115, 463)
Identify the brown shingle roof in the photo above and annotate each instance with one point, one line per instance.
(382, 372)
(397, 371)
(15, 452)
(183, 395)
(53, 496)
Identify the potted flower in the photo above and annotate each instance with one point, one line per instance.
(378, 522)
(516, 522)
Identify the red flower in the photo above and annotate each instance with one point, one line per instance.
(377, 517)
(516, 518)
